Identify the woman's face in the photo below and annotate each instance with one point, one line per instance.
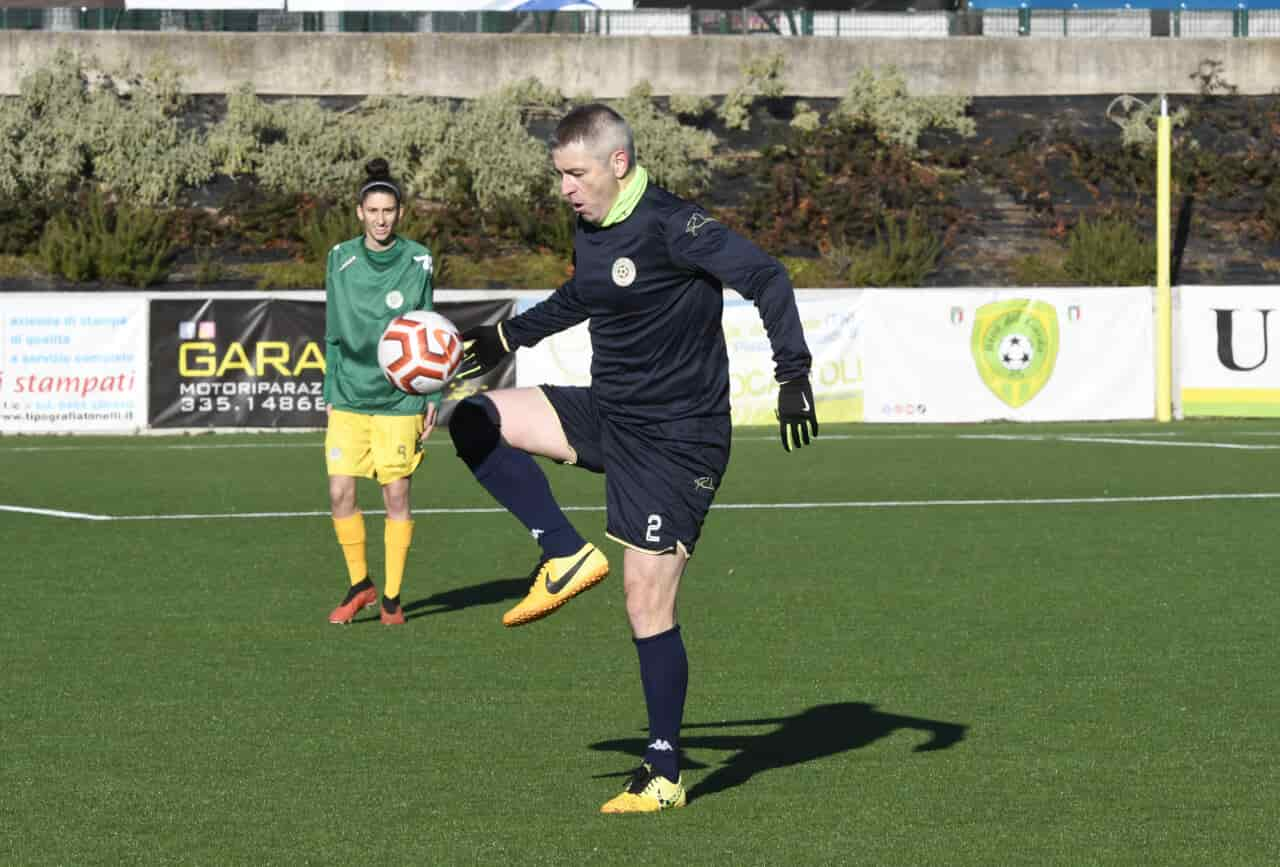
(379, 212)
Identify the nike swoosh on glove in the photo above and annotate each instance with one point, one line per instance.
(483, 348)
(797, 414)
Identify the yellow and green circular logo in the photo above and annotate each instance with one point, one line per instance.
(1015, 345)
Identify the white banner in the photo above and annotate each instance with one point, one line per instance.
(1224, 349)
(73, 363)
(831, 328)
(1024, 354)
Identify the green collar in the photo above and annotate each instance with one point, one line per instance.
(380, 259)
(627, 199)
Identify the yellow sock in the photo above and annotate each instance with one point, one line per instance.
(396, 539)
(350, 532)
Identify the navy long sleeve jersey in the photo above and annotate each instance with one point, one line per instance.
(652, 287)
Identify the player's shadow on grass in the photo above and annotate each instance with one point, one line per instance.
(489, 593)
(816, 733)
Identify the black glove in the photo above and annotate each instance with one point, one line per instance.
(483, 348)
(797, 415)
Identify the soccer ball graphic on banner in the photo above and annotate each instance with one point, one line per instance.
(420, 352)
(1016, 352)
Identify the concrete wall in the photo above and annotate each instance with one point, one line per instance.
(469, 65)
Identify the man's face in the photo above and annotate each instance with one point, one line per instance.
(590, 185)
(378, 213)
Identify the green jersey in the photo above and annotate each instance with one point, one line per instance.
(365, 290)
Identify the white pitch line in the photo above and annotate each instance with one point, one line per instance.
(846, 504)
(150, 446)
(55, 513)
(1136, 438)
(1145, 440)
(1202, 445)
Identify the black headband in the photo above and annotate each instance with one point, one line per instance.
(380, 184)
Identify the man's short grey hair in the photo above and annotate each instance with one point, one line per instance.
(599, 129)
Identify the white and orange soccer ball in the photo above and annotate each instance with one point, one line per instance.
(420, 351)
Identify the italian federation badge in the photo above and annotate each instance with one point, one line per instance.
(1015, 345)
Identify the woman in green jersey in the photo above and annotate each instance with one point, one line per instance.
(375, 431)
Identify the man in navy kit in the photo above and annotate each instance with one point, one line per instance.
(649, 272)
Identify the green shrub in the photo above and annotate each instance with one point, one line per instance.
(1137, 120)
(137, 145)
(1109, 251)
(287, 275)
(16, 267)
(812, 272)
(410, 133)
(883, 105)
(489, 157)
(903, 255)
(116, 244)
(1269, 217)
(72, 124)
(761, 77)
(43, 151)
(21, 226)
(323, 228)
(830, 187)
(267, 220)
(805, 118)
(235, 142)
(678, 157)
(517, 271)
(1040, 269)
(690, 106)
(209, 269)
(309, 150)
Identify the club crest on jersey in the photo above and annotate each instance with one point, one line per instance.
(394, 299)
(624, 272)
(696, 222)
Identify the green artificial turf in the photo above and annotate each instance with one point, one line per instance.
(945, 645)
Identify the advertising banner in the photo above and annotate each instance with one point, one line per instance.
(1023, 354)
(832, 330)
(72, 364)
(1225, 351)
(259, 362)
(831, 327)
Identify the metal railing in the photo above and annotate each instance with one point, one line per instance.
(1000, 18)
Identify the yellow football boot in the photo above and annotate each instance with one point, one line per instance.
(556, 581)
(647, 792)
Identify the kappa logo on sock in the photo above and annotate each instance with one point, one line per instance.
(661, 745)
(536, 533)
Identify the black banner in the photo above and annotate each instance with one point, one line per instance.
(259, 363)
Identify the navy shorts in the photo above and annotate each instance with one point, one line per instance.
(660, 477)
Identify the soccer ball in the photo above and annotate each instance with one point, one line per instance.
(420, 351)
(1016, 352)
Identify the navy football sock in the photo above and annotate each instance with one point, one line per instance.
(517, 482)
(664, 671)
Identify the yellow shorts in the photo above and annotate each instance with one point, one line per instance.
(382, 447)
